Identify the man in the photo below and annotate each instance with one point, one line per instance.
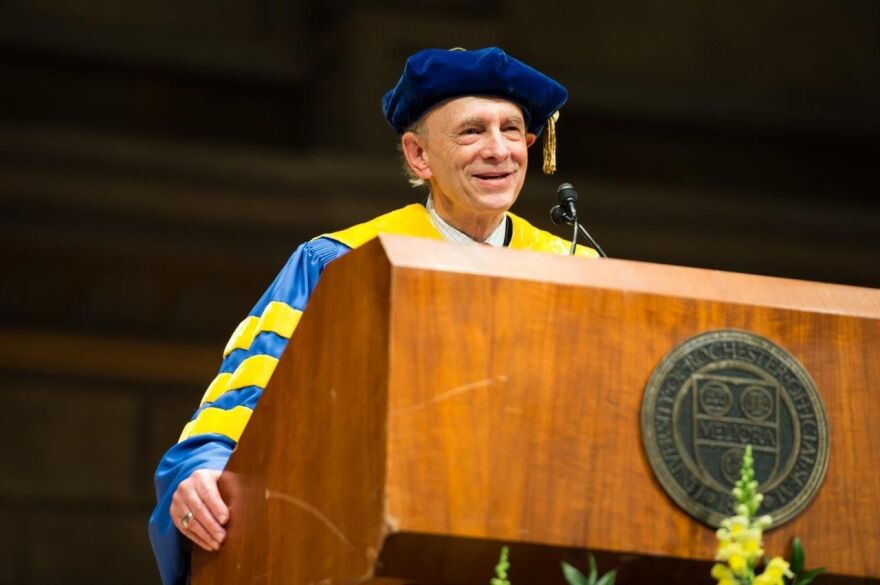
(466, 120)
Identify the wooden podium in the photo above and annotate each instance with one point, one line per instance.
(438, 401)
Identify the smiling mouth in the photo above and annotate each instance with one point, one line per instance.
(494, 176)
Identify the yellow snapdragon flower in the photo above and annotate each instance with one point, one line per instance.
(773, 573)
(777, 567)
(723, 574)
(740, 537)
(737, 563)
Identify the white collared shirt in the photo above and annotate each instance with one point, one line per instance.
(450, 234)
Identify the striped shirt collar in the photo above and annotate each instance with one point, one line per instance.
(450, 234)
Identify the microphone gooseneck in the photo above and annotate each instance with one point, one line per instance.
(565, 213)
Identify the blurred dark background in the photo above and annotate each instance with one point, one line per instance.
(160, 160)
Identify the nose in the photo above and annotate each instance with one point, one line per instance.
(495, 147)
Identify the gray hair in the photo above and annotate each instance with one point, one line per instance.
(415, 181)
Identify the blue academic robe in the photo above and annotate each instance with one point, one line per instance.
(249, 359)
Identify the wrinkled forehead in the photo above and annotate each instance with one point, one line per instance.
(454, 111)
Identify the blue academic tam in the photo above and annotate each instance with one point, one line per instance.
(433, 75)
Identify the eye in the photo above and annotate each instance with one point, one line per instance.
(470, 130)
(513, 131)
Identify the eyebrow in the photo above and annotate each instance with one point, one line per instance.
(477, 120)
(472, 121)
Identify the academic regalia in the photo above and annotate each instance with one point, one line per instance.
(429, 77)
(249, 359)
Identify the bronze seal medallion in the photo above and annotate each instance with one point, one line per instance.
(714, 394)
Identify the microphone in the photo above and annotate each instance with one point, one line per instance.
(568, 197)
(557, 215)
(565, 212)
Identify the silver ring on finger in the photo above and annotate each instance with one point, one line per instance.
(185, 519)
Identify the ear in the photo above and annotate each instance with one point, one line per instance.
(415, 154)
(530, 139)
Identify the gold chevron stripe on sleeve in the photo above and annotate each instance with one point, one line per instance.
(243, 335)
(216, 420)
(217, 388)
(254, 371)
(278, 317)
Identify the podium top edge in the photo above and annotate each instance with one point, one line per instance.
(631, 276)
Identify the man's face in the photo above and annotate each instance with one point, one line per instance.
(476, 151)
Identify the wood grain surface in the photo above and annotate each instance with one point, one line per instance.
(494, 396)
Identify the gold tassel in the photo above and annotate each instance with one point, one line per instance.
(550, 144)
